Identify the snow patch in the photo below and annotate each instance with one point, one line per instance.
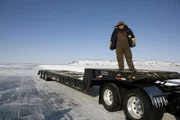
(114, 63)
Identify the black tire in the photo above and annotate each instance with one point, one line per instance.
(177, 113)
(150, 112)
(46, 77)
(117, 98)
(41, 75)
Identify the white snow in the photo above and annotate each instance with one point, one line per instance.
(114, 63)
(78, 68)
(18, 69)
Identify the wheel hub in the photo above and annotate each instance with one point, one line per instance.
(135, 107)
(108, 97)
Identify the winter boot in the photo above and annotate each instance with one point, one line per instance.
(133, 70)
(120, 69)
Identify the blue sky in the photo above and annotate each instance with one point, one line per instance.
(60, 31)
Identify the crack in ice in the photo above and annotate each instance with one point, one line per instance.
(17, 90)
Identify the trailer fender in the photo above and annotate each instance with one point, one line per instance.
(158, 98)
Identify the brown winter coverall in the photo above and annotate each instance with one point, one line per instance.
(122, 40)
(123, 49)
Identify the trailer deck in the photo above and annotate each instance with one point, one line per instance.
(98, 76)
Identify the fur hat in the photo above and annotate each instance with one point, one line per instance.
(119, 23)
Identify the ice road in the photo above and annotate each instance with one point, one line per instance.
(24, 96)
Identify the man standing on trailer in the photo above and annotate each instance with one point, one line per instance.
(122, 39)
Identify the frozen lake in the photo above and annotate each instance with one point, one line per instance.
(24, 96)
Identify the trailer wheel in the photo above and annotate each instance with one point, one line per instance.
(46, 77)
(177, 113)
(137, 106)
(111, 98)
(42, 75)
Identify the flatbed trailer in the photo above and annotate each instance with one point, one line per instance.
(143, 95)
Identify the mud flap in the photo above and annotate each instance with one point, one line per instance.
(158, 98)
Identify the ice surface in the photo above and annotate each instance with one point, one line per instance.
(23, 95)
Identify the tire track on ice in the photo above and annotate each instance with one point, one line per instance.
(53, 106)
